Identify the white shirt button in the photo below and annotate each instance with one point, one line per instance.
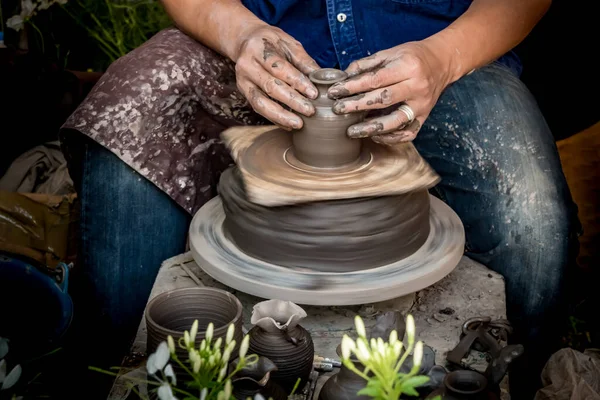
(341, 17)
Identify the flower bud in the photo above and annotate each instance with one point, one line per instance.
(186, 338)
(418, 354)
(196, 365)
(380, 346)
(348, 346)
(226, 355)
(230, 332)
(211, 360)
(362, 350)
(398, 348)
(218, 343)
(171, 344)
(244, 346)
(222, 373)
(227, 389)
(203, 345)
(393, 337)
(203, 393)
(209, 332)
(360, 326)
(410, 328)
(194, 331)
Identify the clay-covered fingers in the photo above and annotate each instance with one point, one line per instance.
(406, 134)
(392, 122)
(373, 100)
(265, 106)
(281, 91)
(381, 77)
(287, 60)
(292, 77)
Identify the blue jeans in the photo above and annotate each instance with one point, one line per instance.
(500, 172)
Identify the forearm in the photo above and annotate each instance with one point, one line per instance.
(486, 31)
(220, 25)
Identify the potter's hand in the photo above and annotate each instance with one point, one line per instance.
(271, 65)
(412, 73)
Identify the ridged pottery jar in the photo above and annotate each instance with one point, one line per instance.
(345, 384)
(322, 141)
(278, 336)
(173, 312)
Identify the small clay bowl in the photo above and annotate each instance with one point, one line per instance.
(173, 312)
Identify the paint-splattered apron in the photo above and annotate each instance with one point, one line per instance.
(161, 109)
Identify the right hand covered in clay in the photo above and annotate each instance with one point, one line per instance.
(271, 65)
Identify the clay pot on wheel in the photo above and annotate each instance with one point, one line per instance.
(464, 385)
(278, 336)
(345, 384)
(322, 141)
(173, 312)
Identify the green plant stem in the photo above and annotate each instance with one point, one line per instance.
(39, 33)
(146, 381)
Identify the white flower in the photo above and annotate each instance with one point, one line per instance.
(360, 326)
(27, 8)
(44, 4)
(218, 343)
(348, 346)
(12, 378)
(158, 360)
(170, 373)
(16, 22)
(194, 331)
(165, 392)
(230, 332)
(244, 346)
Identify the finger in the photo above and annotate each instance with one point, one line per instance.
(394, 121)
(286, 72)
(299, 57)
(407, 134)
(268, 108)
(376, 99)
(279, 90)
(368, 81)
(365, 64)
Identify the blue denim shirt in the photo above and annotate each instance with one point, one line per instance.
(337, 32)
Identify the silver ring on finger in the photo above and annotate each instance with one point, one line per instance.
(410, 114)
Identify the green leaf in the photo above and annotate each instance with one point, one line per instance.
(416, 381)
(409, 390)
(373, 389)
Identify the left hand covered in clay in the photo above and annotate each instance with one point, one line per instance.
(412, 73)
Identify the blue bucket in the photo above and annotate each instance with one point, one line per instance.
(35, 307)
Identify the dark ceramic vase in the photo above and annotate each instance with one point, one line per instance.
(277, 336)
(464, 385)
(345, 384)
(322, 141)
(256, 379)
(173, 312)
